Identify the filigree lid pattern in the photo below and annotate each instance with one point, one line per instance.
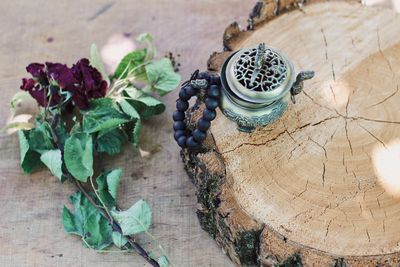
(272, 74)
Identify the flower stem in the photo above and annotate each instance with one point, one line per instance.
(101, 201)
(137, 247)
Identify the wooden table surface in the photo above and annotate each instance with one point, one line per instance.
(31, 232)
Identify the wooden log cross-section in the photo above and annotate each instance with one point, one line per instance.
(320, 186)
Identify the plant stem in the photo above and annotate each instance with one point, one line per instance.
(98, 197)
(137, 247)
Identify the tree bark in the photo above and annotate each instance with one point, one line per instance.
(319, 187)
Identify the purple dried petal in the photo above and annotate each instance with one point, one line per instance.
(36, 70)
(27, 84)
(80, 100)
(62, 75)
(39, 95)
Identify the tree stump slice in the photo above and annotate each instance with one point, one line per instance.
(320, 186)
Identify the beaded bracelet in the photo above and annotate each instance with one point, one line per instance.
(203, 80)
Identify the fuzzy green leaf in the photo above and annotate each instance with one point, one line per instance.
(162, 76)
(40, 138)
(163, 261)
(119, 240)
(68, 221)
(107, 184)
(61, 132)
(30, 159)
(97, 62)
(110, 142)
(147, 106)
(99, 232)
(148, 39)
(87, 222)
(131, 64)
(136, 133)
(52, 159)
(102, 115)
(78, 156)
(135, 220)
(129, 110)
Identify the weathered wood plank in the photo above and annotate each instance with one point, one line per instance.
(31, 232)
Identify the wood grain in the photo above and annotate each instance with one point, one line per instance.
(31, 233)
(322, 180)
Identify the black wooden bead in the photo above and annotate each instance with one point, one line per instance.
(178, 134)
(178, 115)
(191, 143)
(215, 79)
(209, 114)
(199, 135)
(182, 105)
(189, 90)
(179, 125)
(183, 95)
(204, 75)
(214, 91)
(211, 103)
(182, 141)
(203, 125)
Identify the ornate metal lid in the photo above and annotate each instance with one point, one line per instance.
(259, 74)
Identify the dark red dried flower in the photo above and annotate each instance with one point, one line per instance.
(38, 72)
(82, 80)
(62, 75)
(91, 84)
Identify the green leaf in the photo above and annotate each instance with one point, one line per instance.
(87, 222)
(30, 159)
(78, 155)
(61, 132)
(132, 131)
(162, 76)
(145, 105)
(52, 159)
(40, 138)
(110, 142)
(68, 221)
(97, 62)
(135, 220)
(107, 186)
(163, 261)
(129, 110)
(102, 115)
(131, 64)
(136, 132)
(119, 240)
(148, 39)
(98, 232)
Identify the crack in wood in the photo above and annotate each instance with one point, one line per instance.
(333, 73)
(347, 137)
(382, 53)
(326, 44)
(302, 192)
(386, 98)
(374, 136)
(301, 213)
(333, 93)
(321, 146)
(369, 238)
(276, 137)
(327, 228)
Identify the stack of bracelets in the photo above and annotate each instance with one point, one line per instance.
(212, 85)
